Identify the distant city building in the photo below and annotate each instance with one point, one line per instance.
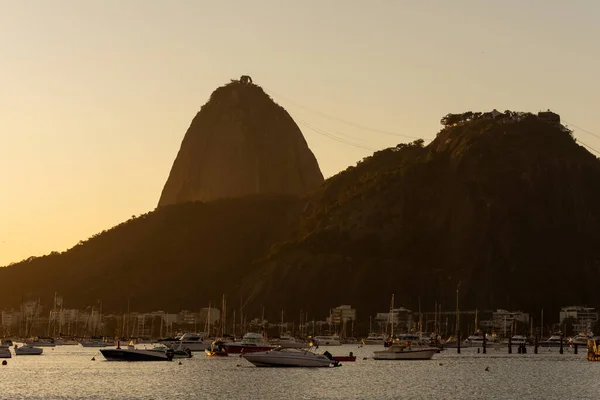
(402, 319)
(344, 313)
(584, 317)
(502, 320)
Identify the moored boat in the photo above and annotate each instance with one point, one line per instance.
(327, 340)
(281, 357)
(132, 354)
(28, 350)
(374, 339)
(251, 342)
(5, 352)
(406, 350)
(191, 341)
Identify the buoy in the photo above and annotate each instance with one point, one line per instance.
(487, 368)
(93, 358)
(180, 363)
(441, 364)
(364, 358)
(237, 365)
(4, 362)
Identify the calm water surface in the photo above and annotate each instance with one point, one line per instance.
(67, 372)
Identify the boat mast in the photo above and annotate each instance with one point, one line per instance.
(392, 318)
(281, 326)
(234, 323)
(420, 320)
(476, 321)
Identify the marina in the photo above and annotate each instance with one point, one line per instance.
(68, 372)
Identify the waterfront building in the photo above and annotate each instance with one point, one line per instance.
(584, 317)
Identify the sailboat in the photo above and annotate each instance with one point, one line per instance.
(405, 347)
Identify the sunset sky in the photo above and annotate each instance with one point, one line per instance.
(96, 96)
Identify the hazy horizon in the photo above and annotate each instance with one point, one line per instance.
(96, 97)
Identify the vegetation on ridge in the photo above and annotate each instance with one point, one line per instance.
(504, 209)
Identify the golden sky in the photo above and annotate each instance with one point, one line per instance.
(95, 96)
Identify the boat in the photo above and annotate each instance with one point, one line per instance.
(553, 341)
(132, 354)
(402, 349)
(281, 357)
(349, 357)
(581, 339)
(191, 341)
(6, 343)
(452, 343)
(41, 342)
(287, 342)
(95, 343)
(217, 349)
(5, 352)
(28, 350)
(177, 353)
(327, 341)
(520, 340)
(374, 339)
(251, 342)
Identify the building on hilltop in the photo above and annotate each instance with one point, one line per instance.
(549, 116)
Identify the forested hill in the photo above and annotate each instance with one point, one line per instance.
(503, 207)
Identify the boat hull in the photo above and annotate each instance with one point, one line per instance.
(239, 349)
(268, 359)
(421, 354)
(134, 355)
(5, 353)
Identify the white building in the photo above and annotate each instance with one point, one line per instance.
(402, 319)
(503, 320)
(585, 317)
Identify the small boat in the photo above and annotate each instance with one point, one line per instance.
(28, 350)
(280, 357)
(5, 352)
(217, 349)
(41, 342)
(288, 342)
(192, 341)
(554, 341)
(374, 340)
(133, 354)
(406, 350)
(95, 343)
(349, 357)
(6, 343)
(327, 341)
(251, 342)
(177, 353)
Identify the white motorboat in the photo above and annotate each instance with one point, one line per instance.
(553, 341)
(406, 350)
(281, 357)
(374, 339)
(28, 350)
(581, 339)
(5, 352)
(191, 341)
(519, 340)
(327, 341)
